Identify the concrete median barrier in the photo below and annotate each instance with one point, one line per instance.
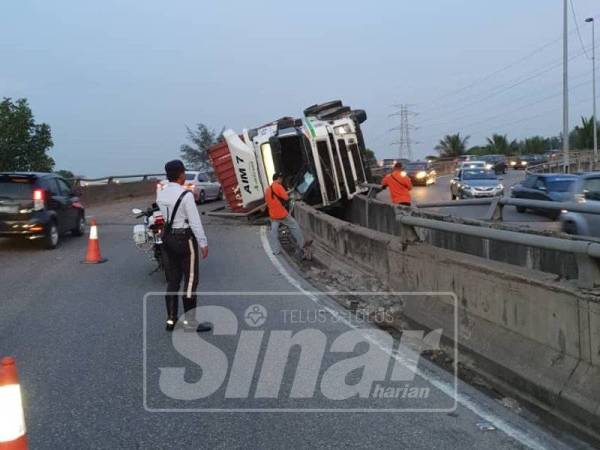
(529, 331)
(102, 193)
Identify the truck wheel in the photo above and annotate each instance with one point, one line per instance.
(51, 236)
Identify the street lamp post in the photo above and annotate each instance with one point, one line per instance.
(591, 20)
(565, 143)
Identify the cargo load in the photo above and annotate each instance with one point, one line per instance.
(321, 157)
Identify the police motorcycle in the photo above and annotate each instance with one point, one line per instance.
(147, 236)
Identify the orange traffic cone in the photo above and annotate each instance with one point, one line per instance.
(12, 420)
(93, 255)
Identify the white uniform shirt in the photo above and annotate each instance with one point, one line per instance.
(187, 213)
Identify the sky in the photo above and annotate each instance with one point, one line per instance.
(118, 81)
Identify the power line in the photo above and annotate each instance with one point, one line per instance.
(500, 70)
(577, 28)
(512, 102)
(500, 89)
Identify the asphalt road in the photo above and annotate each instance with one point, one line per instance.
(91, 360)
(441, 192)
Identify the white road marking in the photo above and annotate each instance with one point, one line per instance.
(447, 388)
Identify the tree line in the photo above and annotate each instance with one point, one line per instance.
(580, 138)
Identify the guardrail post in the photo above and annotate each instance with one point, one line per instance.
(408, 234)
(494, 212)
(587, 270)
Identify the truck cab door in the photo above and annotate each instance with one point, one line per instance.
(243, 157)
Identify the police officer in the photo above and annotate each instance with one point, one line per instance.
(183, 240)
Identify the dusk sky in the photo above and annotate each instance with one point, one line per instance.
(119, 80)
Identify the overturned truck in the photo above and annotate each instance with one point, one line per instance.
(321, 157)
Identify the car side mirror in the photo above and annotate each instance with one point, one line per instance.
(136, 211)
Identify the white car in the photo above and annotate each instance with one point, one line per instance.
(201, 184)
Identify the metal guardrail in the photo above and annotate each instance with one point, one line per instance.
(586, 252)
(115, 178)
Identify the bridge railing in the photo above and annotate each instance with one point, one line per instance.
(116, 179)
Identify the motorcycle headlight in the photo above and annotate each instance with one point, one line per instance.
(421, 174)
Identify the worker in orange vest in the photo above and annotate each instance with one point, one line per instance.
(399, 185)
(277, 197)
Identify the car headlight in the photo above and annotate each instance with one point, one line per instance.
(466, 187)
(513, 163)
(500, 187)
(488, 166)
(523, 163)
(421, 174)
(403, 173)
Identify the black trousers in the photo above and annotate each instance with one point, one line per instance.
(180, 253)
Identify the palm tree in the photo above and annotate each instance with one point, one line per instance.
(452, 145)
(532, 145)
(499, 144)
(582, 137)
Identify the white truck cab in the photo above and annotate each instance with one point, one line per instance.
(320, 156)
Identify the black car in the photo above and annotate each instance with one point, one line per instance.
(420, 173)
(39, 206)
(549, 187)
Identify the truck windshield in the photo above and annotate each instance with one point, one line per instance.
(305, 183)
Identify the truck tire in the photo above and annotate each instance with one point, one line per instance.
(313, 110)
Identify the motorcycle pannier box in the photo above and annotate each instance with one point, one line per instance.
(139, 234)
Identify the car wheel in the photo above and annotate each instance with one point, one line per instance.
(201, 198)
(569, 227)
(51, 236)
(521, 209)
(79, 229)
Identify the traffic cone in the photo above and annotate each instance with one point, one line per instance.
(12, 419)
(93, 255)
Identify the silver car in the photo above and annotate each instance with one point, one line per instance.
(586, 189)
(203, 186)
(475, 183)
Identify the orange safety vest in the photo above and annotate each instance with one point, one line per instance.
(275, 195)
(399, 186)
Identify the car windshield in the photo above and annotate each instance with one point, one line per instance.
(479, 175)
(559, 184)
(416, 166)
(15, 188)
(190, 176)
(474, 164)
